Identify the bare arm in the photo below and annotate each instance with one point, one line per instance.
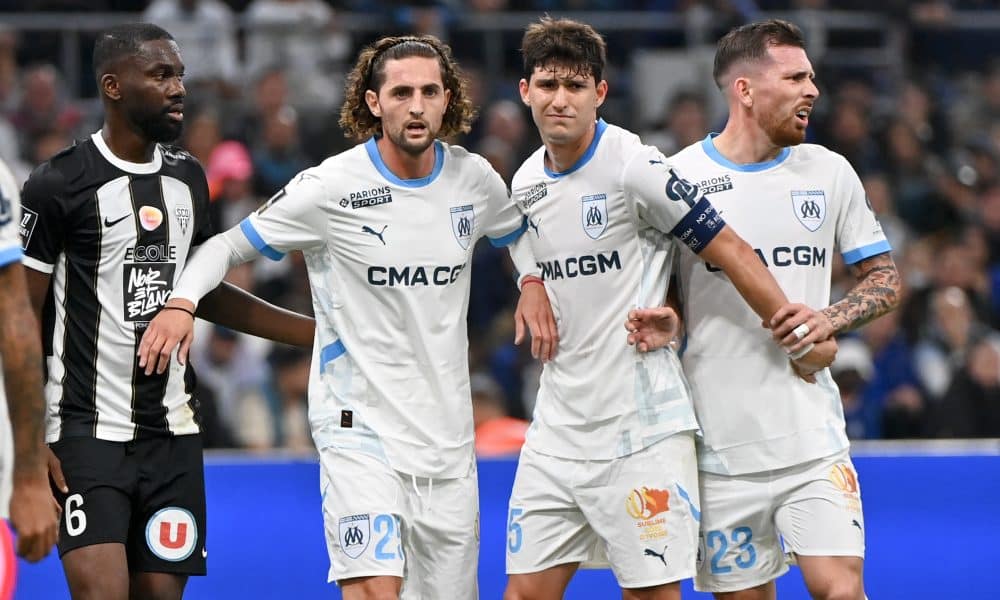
(33, 510)
(237, 309)
(876, 293)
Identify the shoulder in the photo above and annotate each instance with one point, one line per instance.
(530, 170)
(821, 155)
(52, 176)
(179, 157)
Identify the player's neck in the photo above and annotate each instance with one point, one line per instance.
(403, 164)
(745, 143)
(560, 157)
(125, 143)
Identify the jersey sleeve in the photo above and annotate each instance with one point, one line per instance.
(10, 218)
(43, 218)
(205, 229)
(660, 197)
(504, 222)
(293, 219)
(859, 234)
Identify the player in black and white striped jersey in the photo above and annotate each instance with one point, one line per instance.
(109, 224)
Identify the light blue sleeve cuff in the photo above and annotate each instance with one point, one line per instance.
(258, 242)
(859, 254)
(10, 255)
(506, 240)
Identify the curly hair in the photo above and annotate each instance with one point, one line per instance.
(369, 74)
(565, 43)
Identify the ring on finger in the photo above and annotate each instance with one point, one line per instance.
(801, 331)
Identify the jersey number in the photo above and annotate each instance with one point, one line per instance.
(389, 527)
(514, 534)
(76, 520)
(747, 556)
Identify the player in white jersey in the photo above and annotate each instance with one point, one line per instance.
(388, 229)
(24, 487)
(608, 470)
(774, 462)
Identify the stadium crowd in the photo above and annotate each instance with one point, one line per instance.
(265, 81)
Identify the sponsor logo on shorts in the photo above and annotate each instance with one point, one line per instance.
(659, 555)
(645, 505)
(700, 558)
(845, 479)
(172, 534)
(355, 533)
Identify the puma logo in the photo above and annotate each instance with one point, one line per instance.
(533, 226)
(856, 524)
(659, 555)
(378, 234)
(656, 162)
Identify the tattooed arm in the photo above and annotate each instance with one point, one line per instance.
(32, 508)
(875, 294)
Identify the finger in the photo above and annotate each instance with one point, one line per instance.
(148, 360)
(550, 323)
(643, 347)
(790, 322)
(536, 346)
(632, 338)
(56, 474)
(163, 358)
(518, 328)
(783, 313)
(632, 315)
(182, 354)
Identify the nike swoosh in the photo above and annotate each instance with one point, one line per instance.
(108, 223)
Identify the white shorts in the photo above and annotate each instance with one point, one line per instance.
(379, 521)
(637, 514)
(749, 522)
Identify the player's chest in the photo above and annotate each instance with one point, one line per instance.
(568, 215)
(384, 223)
(136, 219)
(773, 207)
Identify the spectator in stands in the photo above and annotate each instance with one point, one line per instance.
(302, 37)
(44, 106)
(971, 407)
(497, 434)
(278, 156)
(205, 30)
(684, 122)
(290, 378)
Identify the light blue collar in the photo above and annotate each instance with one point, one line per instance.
(708, 145)
(372, 147)
(591, 149)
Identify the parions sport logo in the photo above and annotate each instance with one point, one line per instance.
(172, 534)
(366, 198)
(719, 183)
(534, 194)
(646, 505)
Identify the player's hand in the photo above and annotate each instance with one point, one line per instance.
(535, 312)
(54, 467)
(167, 330)
(795, 326)
(34, 514)
(820, 357)
(652, 328)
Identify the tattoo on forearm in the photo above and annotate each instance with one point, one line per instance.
(876, 294)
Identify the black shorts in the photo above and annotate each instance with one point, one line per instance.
(148, 494)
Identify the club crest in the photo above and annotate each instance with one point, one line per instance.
(463, 223)
(809, 207)
(355, 532)
(594, 215)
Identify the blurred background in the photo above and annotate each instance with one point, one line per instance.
(910, 95)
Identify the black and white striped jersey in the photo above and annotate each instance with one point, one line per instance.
(114, 235)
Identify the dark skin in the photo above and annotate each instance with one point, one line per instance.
(143, 98)
(34, 514)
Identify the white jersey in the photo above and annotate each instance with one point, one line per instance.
(604, 233)
(388, 262)
(10, 252)
(795, 210)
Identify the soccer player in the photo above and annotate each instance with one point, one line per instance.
(107, 226)
(775, 470)
(24, 487)
(388, 229)
(608, 471)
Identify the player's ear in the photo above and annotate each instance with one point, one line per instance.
(602, 91)
(371, 99)
(110, 86)
(522, 86)
(743, 91)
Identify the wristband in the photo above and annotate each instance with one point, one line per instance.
(180, 308)
(532, 279)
